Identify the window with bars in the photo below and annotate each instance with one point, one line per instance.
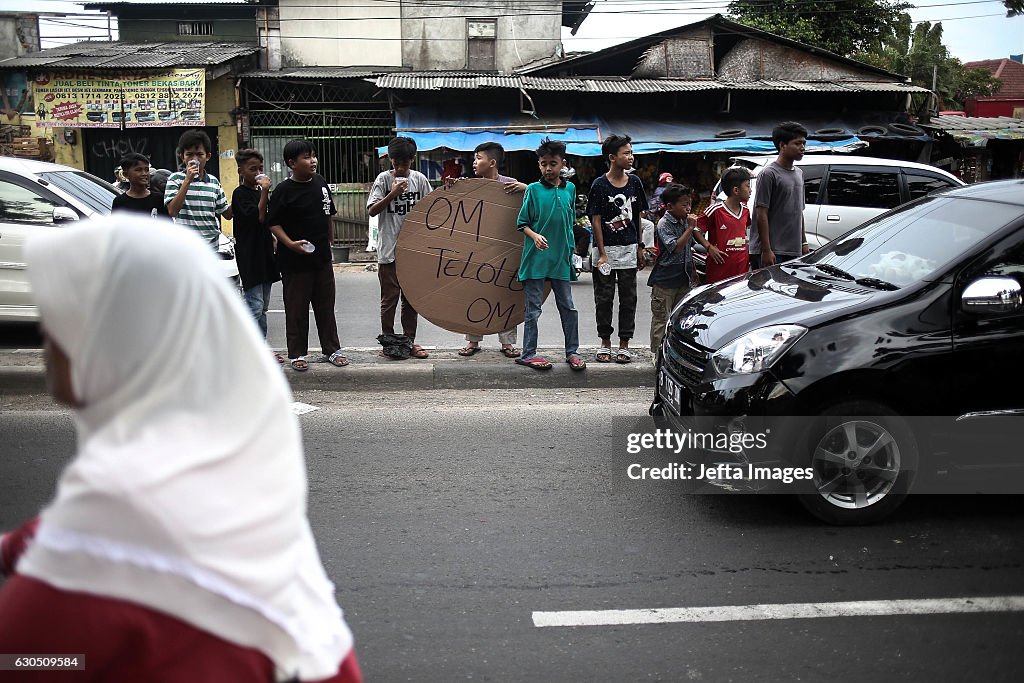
(344, 123)
(195, 28)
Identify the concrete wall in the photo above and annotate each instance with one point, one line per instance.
(434, 34)
(220, 99)
(315, 33)
(19, 34)
(155, 31)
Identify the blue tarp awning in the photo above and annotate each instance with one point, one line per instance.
(512, 142)
(435, 127)
(467, 142)
(739, 145)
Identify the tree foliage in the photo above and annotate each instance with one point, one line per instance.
(917, 51)
(1014, 7)
(841, 26)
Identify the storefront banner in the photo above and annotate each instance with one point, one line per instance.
(174, 98)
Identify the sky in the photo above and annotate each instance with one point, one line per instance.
(972, 29)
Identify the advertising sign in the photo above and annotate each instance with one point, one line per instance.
(174, 98)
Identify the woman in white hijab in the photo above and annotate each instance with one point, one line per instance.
(178, 546)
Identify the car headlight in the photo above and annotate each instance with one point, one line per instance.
(756, 350)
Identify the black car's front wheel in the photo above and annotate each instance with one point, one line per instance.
(863, 457)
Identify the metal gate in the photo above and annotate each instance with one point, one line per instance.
(342, 121)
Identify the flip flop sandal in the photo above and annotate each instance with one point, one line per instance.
(299, 364)
(337, 360)
(604, 355)
(510, 351)
(537, 363)
(279, 358)
(576, 363)
(623, 356)
(469, 351)
(418, 352)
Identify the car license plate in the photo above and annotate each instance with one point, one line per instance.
(670, 391)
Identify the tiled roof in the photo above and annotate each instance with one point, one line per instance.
(432, 80)
(118, 55)
(1011, 73)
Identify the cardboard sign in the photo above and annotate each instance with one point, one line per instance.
(458, 255)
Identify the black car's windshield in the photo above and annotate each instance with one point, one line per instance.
(88, 189)
(913, 243)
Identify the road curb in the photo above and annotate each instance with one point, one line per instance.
(368, 372)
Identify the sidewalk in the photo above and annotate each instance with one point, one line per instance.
(23, 372)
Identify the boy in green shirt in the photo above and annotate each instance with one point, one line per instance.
(546, 221)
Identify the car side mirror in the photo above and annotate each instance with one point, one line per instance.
(992, 295)
(62, 214)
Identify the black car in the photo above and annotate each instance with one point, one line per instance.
(914, 318)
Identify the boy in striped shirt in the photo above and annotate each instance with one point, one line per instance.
(194, 198)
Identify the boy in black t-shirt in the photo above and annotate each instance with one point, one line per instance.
(138, 198)
(254, 245)
(616, 201)
(300, 218)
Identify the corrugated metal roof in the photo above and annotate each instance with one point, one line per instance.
(320, 72)
(118, 55)
(975, 123)
(472, 81)
(977, 130)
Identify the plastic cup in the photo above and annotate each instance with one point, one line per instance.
(308, 248)
(605, 268)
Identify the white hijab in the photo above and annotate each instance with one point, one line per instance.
(188, 493)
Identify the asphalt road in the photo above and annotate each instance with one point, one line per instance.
(447, 529)
(357, 309)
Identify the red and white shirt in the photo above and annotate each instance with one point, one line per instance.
(728, 232)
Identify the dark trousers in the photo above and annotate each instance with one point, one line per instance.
(390, 292)
(604, 297)
(302, 290)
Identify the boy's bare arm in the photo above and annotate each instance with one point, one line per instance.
(595, 226)
(174, 206)
(282, 238)
(228, 213)
(767, 255)
(264, 200)
(684, 239)
(539, 240)
(396, 189)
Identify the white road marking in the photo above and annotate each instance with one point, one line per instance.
(302, 408)
(798, 610)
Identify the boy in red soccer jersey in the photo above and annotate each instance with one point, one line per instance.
(724, 225)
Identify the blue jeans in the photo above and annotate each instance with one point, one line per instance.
(534, 291)
(258, 300)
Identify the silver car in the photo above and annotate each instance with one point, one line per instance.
(843, 192)
(36, 196)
